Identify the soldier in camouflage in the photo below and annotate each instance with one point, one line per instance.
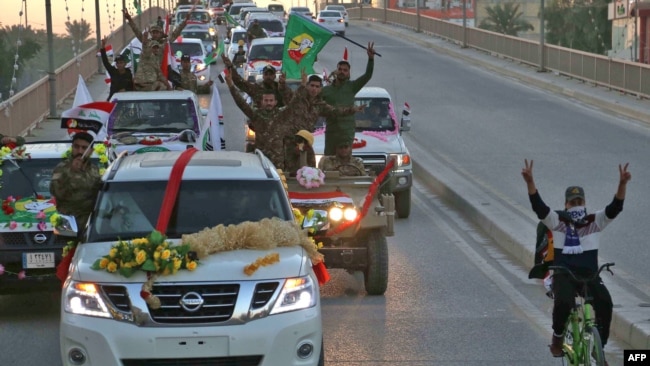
(76, 182)
(270, 122)
(188, 79)
(343, 162)
(255, 90)
(149, 77)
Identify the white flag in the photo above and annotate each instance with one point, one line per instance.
(210, 137)
(82, 96)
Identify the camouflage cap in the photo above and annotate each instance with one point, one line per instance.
(155, 27)
(153, 43)
(574, 192)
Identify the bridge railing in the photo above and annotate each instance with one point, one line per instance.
(621, 75)
(30, 106)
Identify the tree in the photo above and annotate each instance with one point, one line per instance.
(27, 50)
(506, 20)
(579, 24)
(78, 31)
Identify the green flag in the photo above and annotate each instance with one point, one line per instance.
(229, 19)
(137, 6)
(214, 55)
(302, 42)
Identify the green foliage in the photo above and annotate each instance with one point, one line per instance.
(78, 31)
(579, 24)
(506, 19)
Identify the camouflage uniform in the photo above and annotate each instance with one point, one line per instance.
(189, 81)
(295, 159)
(351, 168)
(175, 34)
(75, 191)
(255, 90)
(255, 32)
(309, 108)
(149, 76)
(271, 126)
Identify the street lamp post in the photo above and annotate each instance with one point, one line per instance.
(464, 23)
(636, 30)
(542, 59)
(417, 13)
(51, 75)
(99, 35)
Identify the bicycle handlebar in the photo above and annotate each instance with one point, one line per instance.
(567, 270)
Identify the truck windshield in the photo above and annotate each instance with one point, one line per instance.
(130, 209)
(376, 116)
(152, 115)
(35, 177)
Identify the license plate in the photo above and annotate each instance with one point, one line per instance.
(38, 260)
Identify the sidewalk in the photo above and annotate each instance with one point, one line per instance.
(50, 129)
(512, 231)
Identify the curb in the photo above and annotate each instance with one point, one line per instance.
(515, 223)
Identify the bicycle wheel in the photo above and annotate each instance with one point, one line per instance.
(593, 354)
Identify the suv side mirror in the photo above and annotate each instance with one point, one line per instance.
(405, 123)
(66, 226)
(226, 41)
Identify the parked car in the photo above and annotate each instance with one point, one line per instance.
(380, 140)
(302, 11)
(332, 20)
(340, 8)
(221, 312)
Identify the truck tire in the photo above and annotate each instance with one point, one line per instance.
(375, 276)
(403, 203)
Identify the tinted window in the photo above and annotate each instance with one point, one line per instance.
(271, 25)
(192, 49)
(238, 36)
(266, 52)
(203, 36)
(130, 209)
(152, 115)
(376, 116)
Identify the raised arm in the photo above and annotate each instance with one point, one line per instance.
(370, 66)
(538, 205)
(107, 64)
(624, 177)
(329, 111)
(239, 100)
(134, 27)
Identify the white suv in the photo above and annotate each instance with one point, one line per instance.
(215, 314)
(262, 52)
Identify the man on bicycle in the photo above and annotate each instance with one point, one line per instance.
(576, 237)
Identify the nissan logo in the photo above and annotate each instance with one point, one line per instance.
(191, 301)
(40, 238)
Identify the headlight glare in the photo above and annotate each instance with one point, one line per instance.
(297, 293)
(83, 299)
(336, 214)
(350, 214)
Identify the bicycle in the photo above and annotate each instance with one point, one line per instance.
(582, 344)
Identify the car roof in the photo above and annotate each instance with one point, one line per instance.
(189, 40)
(47, 149)
(151, 95)
(372, 92)
(204, 165)
(269, 40)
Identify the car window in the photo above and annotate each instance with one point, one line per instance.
(204, 36)
(131, 209)
(266, 52)
(275, 7)
(152, 115)
(192, 49)
(330, 14)
(237, 36)
(271, 25)
(376, 115)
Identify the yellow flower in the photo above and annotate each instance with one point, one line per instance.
(165, 254)
(140, 241)
(100, 149)
(156, 255)
(177, 263)
(102, 171)
(103, 263)
(191, 266)
(54, 218)
(320, 244)
(103, 159)
(141, 257)
(6, 150)
(112, 253)
(112, 267)
(127, 264)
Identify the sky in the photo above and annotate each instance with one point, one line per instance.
(109, 10)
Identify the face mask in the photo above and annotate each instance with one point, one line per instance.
(577, 213)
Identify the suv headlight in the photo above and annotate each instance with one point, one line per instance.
(401, 160)
(297, 294)
(199, 67)
(84, 299)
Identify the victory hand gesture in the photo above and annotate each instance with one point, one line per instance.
(625, 176)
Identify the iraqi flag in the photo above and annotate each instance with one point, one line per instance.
(109, 51)
(407, 109)
(211, 133)
(87, 117)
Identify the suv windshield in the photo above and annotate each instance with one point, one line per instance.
(197, 16)
(266, 52)
(152, 115)
(192, 49)
(375, 117)
(271, 25)
(202, 35)
(130, 209)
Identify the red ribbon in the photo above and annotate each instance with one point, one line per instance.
(63, 267)
(171, 192)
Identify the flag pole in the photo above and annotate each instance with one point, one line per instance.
(357, 44)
